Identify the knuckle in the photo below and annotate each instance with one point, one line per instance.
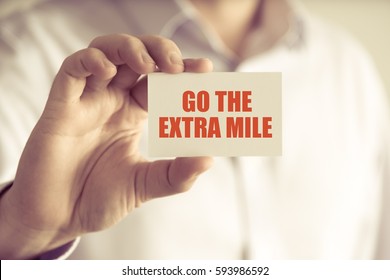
(83, 60)
(167, 44)
(89, 58)
(91, 52)
(131, 43)
(72, 59)
(160, 41)
(96, 41)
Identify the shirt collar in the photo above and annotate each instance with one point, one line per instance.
(292, 39)
(172, 15)
(295, 36)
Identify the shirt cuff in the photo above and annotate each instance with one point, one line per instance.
(60, 253)
(5, 186)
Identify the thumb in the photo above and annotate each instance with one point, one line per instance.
(168, 177)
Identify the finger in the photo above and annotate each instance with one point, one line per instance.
(125, 49)
(199, 65)
(125, 78)
(72, 76)
(168, 177)
(165, 52)
(130, 54)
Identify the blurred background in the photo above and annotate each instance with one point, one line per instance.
(367, 20)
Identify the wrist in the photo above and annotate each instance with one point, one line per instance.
(18, 241)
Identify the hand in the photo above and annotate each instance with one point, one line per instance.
(81, 169)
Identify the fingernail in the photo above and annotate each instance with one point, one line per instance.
(176, 59)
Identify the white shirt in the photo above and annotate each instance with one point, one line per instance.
(326, 197)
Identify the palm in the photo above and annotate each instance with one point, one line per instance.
(105, 179)
(98, 138)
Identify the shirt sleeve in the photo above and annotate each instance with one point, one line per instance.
(4, 187)
(62, 252)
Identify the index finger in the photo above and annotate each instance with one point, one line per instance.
(141, 54)
(124, 49)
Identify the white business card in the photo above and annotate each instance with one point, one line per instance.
(215, 114)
